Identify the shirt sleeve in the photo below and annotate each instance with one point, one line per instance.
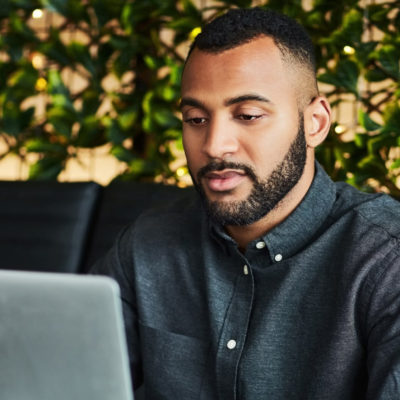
(118, 264)
(383, 330)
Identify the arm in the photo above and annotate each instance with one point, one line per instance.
(383, 330)
(118, 264)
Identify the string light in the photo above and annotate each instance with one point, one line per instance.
(340, 129)
(194, 33)
(180, 172)
(348, 50)
(37, 13)
(41, 84)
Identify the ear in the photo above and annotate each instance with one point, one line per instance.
(317, 121)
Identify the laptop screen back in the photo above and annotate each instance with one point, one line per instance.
(61, 337)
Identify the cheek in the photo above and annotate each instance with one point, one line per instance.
(192, 151)
(267, 149)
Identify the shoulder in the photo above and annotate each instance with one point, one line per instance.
(180, 219)
(376, 211)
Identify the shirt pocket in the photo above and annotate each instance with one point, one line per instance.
(174, 365)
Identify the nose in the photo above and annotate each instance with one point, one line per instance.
(220, 140)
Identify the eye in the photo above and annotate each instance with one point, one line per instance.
(248, 117)
(195, 121)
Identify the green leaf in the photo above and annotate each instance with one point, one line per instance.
(43, 146)
(90, 101)
(345, 76)
(54, 49)
(367, 122)
(376, 143)
(80, 53)
(27, 117)
(122, 154)
(127, 119)
(62, 120)
(372, 165)
(391, 116)
(139, 167)
(25, 77)
(122, 63)
(395, 164)
(185, 24)
(56, 84)
(19, 27)
(364, 51)
(11, 121)
(375, 75)
(47, 168)
(165, 118)
(378, 15)
(388, 56)
(107, 10)
(350, 31)
(168, 93)
(72, 9)
(148, 124)
(361, 140)
(62, 101)
(148, 101)
(114, 132)
(90, 133)
(173, 134)
(152, 62)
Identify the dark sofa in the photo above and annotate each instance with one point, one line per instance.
(66, 227)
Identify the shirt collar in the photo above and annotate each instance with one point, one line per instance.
(298, 229)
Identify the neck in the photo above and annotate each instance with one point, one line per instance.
(243, 235)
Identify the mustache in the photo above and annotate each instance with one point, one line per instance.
(221, 165)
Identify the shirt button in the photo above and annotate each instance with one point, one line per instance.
(245, 269)
(278, 257)
(260, 245)
(231, 344)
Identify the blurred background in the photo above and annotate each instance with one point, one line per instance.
(89, 89)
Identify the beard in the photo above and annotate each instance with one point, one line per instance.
(265, 195)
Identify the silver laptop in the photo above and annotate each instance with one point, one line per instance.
(61, 337)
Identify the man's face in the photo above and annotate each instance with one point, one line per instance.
(242, 131)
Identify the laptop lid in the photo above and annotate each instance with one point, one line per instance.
(61, 337)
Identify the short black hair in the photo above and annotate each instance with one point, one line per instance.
(240, 26)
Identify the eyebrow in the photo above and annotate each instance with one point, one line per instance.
(190, 101)
(246, 97)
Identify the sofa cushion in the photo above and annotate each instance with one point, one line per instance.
(44, 225)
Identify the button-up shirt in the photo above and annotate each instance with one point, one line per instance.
(311, 310)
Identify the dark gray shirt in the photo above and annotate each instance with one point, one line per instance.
(309, 311)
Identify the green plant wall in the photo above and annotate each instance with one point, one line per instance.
(141, 44)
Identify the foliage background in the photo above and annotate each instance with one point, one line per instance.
(141, 44)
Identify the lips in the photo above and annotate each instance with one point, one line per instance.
(222, 181)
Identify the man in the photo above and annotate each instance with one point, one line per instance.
(278, 284)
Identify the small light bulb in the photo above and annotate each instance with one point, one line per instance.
(181, 172)
(340, 129)
(194, 33)
(349, 50)
(41, 84)
(38, 13)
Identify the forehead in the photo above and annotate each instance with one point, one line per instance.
(255, 67)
